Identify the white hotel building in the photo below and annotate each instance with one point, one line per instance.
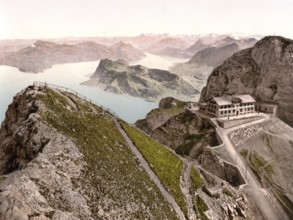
(227, 106)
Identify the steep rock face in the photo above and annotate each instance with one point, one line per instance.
(42, 55)
(265, 71)
(139, 81)
(64, 158)
(21, 136)
(167, 108)
(186, 134)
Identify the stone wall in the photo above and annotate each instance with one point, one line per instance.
(234, 122)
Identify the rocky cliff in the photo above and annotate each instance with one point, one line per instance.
(64, 158)
(150, 84)
(264, 71)
(178, 128)
(42, 54)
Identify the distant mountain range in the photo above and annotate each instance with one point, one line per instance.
(151, 84)
(207, 57)
(173, 47)
(42, 54)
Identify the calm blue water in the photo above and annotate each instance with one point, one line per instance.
(128, 108)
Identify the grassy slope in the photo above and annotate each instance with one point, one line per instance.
(112, 179)
(167, 166)
(196, 180)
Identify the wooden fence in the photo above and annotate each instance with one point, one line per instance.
(73, 92)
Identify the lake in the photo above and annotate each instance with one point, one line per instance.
(71, 75)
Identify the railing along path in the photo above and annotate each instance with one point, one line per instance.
(73, 92)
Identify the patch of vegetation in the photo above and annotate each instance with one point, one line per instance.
(112, 178)
(227, 192)
(258, 162)
(81, 104)
(269, 170)
(2, 178)
(176, 109)
(244, 153)
(190, 142)
(166, 165)
(196, 180)
(201, 208)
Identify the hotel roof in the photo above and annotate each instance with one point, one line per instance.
(227, 100)
(245, 98)
(223, 100)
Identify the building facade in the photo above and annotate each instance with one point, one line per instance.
(226, 106)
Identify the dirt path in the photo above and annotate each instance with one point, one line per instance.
(152, 175)
(260, 197)
(185, 188)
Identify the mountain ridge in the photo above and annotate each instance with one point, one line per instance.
(42, 54)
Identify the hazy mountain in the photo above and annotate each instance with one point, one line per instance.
(173, 47)
(214, 56)
(220, 41)
(42, 55)
(126, 52)
(150, 84)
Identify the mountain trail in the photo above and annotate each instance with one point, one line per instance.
(152, 175)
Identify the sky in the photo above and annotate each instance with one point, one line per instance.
(25, 19)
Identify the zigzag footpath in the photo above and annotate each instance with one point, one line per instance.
(259, 194)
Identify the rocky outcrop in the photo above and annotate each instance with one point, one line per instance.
(264, 71)
(178, 128)
(139, 81)
(43, 55)
(64, 158)
(22, 138)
